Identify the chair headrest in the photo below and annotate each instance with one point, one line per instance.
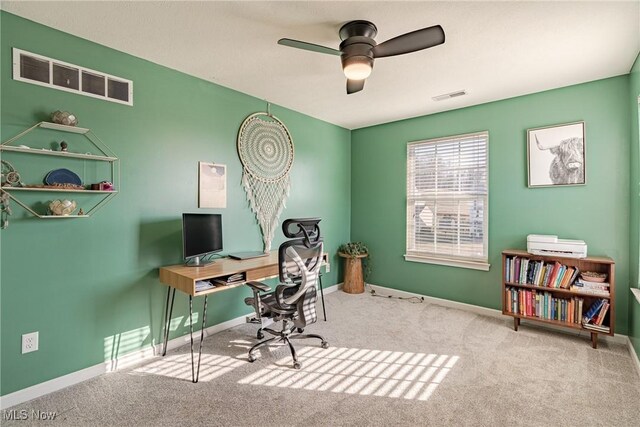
(306, 228)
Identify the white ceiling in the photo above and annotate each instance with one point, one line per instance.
(494, 50)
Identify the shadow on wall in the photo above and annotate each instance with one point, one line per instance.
(160, 243)
(115, 300)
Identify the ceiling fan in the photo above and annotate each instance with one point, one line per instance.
(358, 49)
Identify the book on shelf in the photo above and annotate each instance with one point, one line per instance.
(553, 275)
(603, 312)
(591, 285)
(203, 285)
(547, 273)
(561, 272)
(597, 328)
(593, 288)
(574, 276)
(566, 278)
(230, 280)
(595, 292)
(593, 310)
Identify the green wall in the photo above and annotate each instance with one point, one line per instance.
(634, 247)
(90, 286)
(597, 212)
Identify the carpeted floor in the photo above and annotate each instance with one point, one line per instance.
(390, 362)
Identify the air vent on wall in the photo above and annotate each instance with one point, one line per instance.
(450, 95)
(39, 70)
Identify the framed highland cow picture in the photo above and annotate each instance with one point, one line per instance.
(556, 155)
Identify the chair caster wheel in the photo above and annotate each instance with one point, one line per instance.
(251, 358)
(297, 365)
(259, 335)
(324, 344)
(300, 330)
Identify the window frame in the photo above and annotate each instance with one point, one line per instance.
(476, 263)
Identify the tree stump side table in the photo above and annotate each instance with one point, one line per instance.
(353, 281)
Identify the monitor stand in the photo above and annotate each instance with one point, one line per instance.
(197, 261)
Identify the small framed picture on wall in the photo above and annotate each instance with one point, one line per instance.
(212, 189)
(556, 155)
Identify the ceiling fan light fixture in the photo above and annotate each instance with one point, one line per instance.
(357, 68)
(358, 49)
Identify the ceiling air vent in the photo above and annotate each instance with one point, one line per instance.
(449, 95)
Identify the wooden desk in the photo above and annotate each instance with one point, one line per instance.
(184, 278)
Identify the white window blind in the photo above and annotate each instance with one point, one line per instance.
(447, 200)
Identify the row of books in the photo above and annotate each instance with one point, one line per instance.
(539, 273)
(544, 305)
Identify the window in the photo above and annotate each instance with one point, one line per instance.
(37, 69)
(447, 201)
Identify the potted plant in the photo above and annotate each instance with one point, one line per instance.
(354, 253)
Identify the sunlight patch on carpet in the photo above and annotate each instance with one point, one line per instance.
(179, 366)
(393, 374)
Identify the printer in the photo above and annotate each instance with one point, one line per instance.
(542, 244)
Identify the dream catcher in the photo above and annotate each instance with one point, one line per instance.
(10, 176)
(266, 153)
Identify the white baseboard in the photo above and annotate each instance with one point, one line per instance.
(634, 355)
(121, 362)
(439, 301)
(618, 338)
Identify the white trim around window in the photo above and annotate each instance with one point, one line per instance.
(448, 201)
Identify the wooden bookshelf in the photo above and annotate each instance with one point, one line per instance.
(598, 264)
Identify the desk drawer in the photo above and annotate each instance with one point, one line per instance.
(262, 273)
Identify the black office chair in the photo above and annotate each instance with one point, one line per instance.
(294, 300)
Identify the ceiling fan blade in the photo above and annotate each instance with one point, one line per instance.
(410, 42)
(354, 86)
(308, 46)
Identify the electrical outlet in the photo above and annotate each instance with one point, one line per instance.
(29, 342)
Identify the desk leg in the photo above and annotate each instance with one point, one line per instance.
(195, 372)
(167, 317)
(204, 319)
(324, 310)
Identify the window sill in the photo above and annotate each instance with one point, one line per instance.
(474, 265)
(636, 293)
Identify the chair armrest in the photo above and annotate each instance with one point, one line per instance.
(258, 286)
(279, 294)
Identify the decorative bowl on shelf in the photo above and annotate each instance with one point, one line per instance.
(62, 207)
(64, 118)
(591, 276)
(62, 176)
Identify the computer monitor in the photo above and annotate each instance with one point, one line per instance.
(201, 235)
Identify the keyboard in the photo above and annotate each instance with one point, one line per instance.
(247, 255)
